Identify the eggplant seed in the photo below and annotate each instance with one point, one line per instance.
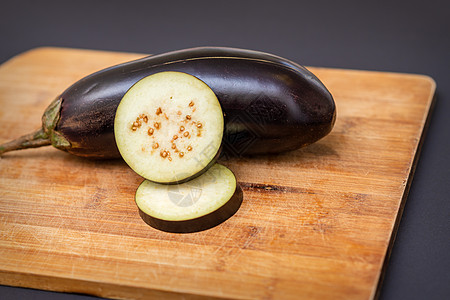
(143, 117)
(163, 153)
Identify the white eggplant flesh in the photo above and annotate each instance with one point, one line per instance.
(169, 127)
(196, 205)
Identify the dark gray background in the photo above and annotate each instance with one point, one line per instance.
(398, 36)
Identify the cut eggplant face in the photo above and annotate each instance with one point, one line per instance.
(196, 205)
(169, 127)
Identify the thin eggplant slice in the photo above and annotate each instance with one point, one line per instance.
(169, 127)
(196, 205)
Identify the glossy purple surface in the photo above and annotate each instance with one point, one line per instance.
(270, 104)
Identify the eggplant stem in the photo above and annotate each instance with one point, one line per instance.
(33, 140)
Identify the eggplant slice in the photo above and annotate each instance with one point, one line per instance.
(196, 205)
(169, 127)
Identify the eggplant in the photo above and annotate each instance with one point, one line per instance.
(169, 127)
(196, 205)
(271, 104)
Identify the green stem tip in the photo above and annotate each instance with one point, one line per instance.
(33, 140)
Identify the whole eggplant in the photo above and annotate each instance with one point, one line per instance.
(270, 104)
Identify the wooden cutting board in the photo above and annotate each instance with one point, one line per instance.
(316, 223)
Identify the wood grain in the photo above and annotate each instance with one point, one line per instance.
(316, 223)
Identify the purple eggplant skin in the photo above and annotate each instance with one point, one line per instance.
(270, 104)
